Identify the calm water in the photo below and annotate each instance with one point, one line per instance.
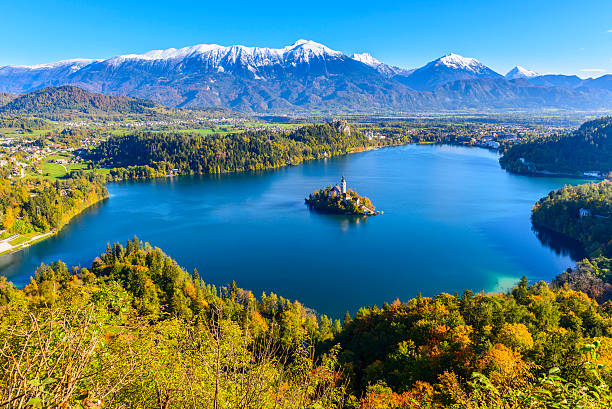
(452, 220)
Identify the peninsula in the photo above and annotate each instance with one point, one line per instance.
(339, 200)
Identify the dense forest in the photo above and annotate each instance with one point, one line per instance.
(136, 330)
(443, 350)
(588, 149)
(38, 205)
(188, 154)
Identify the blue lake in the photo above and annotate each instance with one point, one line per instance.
(453, 220)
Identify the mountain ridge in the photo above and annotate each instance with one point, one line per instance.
(307, 76)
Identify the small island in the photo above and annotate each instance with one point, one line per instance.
(339, 200)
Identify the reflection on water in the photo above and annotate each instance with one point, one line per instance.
(344, 221)
(559, 243)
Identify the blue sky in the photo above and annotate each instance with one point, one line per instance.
(546, 36)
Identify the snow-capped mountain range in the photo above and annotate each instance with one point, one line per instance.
(218, 57)
(309, 76)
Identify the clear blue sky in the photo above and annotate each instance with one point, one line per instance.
(547, 36)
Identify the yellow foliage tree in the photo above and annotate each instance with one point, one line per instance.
(515, 336)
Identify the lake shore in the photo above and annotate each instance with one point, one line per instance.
(13, 244)
(7, 248)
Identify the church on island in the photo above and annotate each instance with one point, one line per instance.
(341, 189)
(338, 199)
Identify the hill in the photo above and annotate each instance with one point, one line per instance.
(70, 102)
(588, 149)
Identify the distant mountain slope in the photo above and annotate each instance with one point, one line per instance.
(69, 101)
(603, 82)
(308, 77)
(6, 97)
(501, 94)
(23, 78)
(381, 67)
(555, 80)
(587, 149)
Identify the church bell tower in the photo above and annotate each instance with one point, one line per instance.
(343, 185)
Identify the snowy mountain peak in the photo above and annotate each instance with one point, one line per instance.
(308, 44)
(448, 69)
(310, 47)
(301, 41)
(459, 62)
(520, 72)
(366, 59)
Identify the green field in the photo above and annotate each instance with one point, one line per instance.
(23, 238)
(52, 170)
(16, 132)
(219, 130)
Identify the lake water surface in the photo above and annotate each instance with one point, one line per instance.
(453, 219)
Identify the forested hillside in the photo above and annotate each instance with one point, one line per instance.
(137, 330)
(37, 205)
(5, 98)
(588, 149)
(148, 153)
(583, 213)
(561, 212)
(442, 350)
(69, 102)
(24, 123)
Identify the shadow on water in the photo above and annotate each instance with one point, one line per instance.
(559, 243)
